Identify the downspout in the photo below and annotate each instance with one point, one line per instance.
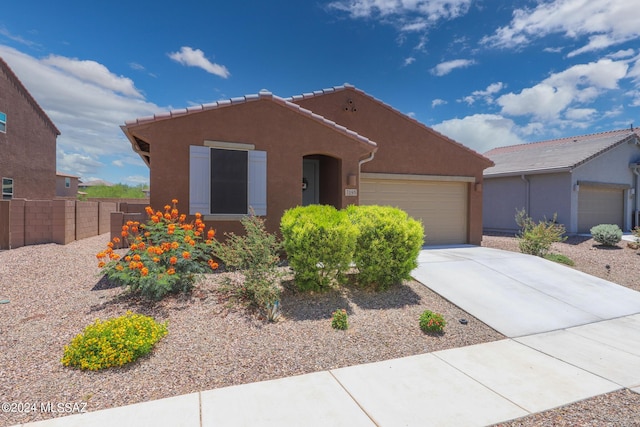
(527, 189)
(637, 197)
(360, 163)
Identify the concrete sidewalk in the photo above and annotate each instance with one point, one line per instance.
(574, 337)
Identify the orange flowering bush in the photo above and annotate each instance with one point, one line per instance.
(164, 256)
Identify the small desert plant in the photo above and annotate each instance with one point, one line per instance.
(431, 322)
(606, 234)
(559, 258)
(537, 238)
(255, 255)
(114, 342)
(340, 319)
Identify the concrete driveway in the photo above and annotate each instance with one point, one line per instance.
(519, 294)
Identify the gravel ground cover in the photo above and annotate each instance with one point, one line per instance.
(617, 264)
(55, 291)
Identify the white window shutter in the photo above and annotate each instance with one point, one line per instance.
(199, 179)
(258, 182)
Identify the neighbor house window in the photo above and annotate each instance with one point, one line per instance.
(3, 122)
(7, 188)
(67, 182)
(227, 181)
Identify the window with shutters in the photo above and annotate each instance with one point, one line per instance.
(227, 181)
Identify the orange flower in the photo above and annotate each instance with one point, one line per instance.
(141, 245)
(101, 264)
(156, 259)
(134, 247)
(171, 271)
(174, 201)
(198, 215)
(155, 219)
(167, 216)
(211, 233)
(100, 255)
(124, 233)
(175, 245)
(144, 271)
(119, 267)
(110, 244)
(134, 229)
(186, 255)
(173, 260)
(183, 218)
(125, 228)
(136, 257)
(213, 264)
(167, 207)
(116, 240)
(149, 210)
(127, 258)
(174, 213)
(147, 234)
(114, 256)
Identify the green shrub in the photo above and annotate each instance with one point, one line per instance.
(340, 320)
(319, 241)
(387, 246)
(255, 254)
(114, 342)
(559, 258)
(606, 234)
(431, 322)
(165, 254)
(537, 238)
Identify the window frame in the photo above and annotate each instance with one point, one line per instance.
(7, 195)
(67, 182)
(3, 122)
(200, 180)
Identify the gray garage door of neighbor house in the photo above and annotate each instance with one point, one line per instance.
(440, 205)
(599, 205)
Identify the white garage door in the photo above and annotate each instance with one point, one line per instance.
(441, 205)
(599, 205)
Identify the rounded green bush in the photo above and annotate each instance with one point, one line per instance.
(115, 342)
(319, 241)
(387, 246)
(606, 234)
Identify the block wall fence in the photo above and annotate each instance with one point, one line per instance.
(62, 221)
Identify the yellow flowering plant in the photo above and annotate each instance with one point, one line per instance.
(165, 253)
(114, 342)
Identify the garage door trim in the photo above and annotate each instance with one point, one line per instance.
(409, 177)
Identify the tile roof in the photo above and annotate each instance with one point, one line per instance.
(554, 155)
(30, 99)
(348, 86)
(263, 95)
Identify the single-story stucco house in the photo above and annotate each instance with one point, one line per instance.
(585, 180)
(338, 146)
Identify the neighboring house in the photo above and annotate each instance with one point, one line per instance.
(27, 142)
(67, 185)
(585, 180)
(95, 183)
(337, 146)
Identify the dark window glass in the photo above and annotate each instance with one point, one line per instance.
(229, 181)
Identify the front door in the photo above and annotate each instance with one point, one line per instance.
(310, 182)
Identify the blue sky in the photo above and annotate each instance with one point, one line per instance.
(486, 73)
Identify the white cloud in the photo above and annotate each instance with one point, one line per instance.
(481, 132)
(431, 9)
(408, 61)
(605, 22)
(119, 163)
(86, 111)
(487, 94)
(580, 113)
(578, 84)
(446, 67)
(621, 54)
(94, 73)
(136, 180)
(195, 58)
(436, 102)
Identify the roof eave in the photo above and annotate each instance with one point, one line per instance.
(144, 155)
(529, 172)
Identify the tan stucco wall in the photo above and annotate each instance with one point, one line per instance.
(404, 145)
(285, 135)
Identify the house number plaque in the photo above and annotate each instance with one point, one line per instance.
(351, 192)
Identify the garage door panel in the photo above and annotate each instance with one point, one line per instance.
(440, 205)
(599, 205)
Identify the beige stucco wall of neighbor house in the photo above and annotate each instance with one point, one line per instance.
(612, 167)
(405, 146)
(28, 146)
(62, 190)
(284, 134)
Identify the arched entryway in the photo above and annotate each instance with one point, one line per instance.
(321, 180)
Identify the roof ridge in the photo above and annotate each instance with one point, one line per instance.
(572, 138)
(263, 94)
(346, 86)
(25, 92)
